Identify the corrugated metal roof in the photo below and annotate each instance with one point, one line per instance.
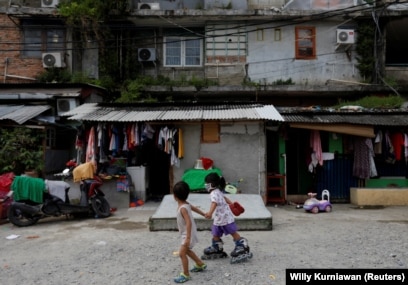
(95, 112)
(372, 119)
(38, 93)
(21, 113)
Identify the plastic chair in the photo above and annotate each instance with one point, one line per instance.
(326, 193)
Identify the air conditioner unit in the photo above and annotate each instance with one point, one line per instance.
(49, 3)
(146, 54)
(345, 36)
(66, 104)
(148, 6)
(53, 59)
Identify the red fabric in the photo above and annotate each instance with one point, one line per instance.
(397, 140)
(207, 162)
(5, 182)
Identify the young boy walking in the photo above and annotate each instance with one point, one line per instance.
(188, 231)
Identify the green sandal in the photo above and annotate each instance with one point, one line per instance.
(182, 278)
(198, 268)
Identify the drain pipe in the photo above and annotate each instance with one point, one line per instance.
(285, 179)
(5, 69)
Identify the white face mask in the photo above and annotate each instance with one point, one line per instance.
(208, 186)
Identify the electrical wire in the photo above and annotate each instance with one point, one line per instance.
(269, 24)
(290, 22)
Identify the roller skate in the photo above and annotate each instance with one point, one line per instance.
(216, 250)
(241, 252)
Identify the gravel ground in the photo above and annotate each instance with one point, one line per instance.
(122, 250)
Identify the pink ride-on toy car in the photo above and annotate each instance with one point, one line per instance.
(315, 206)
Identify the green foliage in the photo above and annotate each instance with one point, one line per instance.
(21, 150)
(54, 75)
(132, 90)
(283, 82)
(365, 50)
(276, 82)
(376, 102)
(391, 81)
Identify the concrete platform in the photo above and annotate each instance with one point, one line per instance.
(379, 196)
(255, 217)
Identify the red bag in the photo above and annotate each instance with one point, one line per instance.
(6, 180)
(236, 208)
(207, 162)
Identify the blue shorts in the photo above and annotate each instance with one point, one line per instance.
(218, 231)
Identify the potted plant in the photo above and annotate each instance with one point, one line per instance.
(22, 150)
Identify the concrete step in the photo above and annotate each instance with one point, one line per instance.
(256, 215)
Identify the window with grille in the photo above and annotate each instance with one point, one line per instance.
(305, 42)
(181, 51)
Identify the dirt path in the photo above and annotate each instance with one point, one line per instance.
(121, 249)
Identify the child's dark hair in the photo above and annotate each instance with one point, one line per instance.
(215, 180)
(181, 190)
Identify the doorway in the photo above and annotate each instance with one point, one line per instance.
(299, 179)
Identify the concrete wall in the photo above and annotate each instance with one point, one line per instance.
(270, 60)
(171, 5)
(240, 154)
(398, 73)
(379, 196)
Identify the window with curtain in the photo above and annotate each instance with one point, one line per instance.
(305, 42)
(180, 51)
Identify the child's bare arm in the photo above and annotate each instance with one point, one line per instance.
(227, 200)
(209, 214)
(197, 210)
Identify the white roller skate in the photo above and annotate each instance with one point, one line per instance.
(241, 252)
(216, 250)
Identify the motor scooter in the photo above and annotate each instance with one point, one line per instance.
(32, 203)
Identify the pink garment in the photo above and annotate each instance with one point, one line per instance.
(316, 145)
(90, 148)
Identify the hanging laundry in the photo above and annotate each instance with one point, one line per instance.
(388, 149)
(148, 132)
(101, 130)
(180, 144)
(397, 140)
(125, 140)
(79, 143)
(114, 141)
(364, 165)
(378, 142)
(162, 139)
(316, 146)
(168, 141)
(90, 148)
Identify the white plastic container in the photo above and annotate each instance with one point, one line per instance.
(139, 177)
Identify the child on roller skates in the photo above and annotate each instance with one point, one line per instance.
(188, 231)
(223, 224)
